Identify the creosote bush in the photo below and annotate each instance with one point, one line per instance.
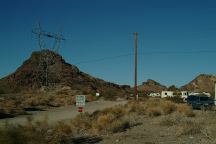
(167, 107)
(185, 109)
(109, 120)
(153, 111)
(154, 107)
(35, 133)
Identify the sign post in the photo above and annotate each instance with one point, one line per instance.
(80, 102)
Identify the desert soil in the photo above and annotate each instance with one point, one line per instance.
(149, 132)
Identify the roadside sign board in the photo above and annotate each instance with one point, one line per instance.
(80, 100)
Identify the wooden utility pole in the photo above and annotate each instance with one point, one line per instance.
(135, 65)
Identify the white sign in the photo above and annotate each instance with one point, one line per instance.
(80, 100)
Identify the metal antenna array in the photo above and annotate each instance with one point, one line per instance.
(47, 65)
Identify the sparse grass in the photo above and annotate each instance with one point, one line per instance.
(170, 120)
(185, 125)
(190, 127)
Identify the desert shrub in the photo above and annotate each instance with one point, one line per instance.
(63, 92)
(8, 106)
(109, 94)
(167, 107)
(11, 134)
(153, 111)
(109, 123)
(152, 107)
(153, 102)
(106, 121)
(81, 122)
(119, 125)
(11, 107)
(2, 91)
(135, 107)
(170, 120)
(117, 111)
(103, 122)
(61, 133)
(175, 99)
(185, 109)
(90, 98)
(36, 100)
(35, 133)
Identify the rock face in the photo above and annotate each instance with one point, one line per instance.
(151, 86)
(202, 83)
(46, 68)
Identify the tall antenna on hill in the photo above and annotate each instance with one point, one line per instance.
(47, 67)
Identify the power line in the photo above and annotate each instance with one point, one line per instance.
(147, 53)
(105, 58)
(178, 52)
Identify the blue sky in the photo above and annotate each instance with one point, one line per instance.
(177, 38)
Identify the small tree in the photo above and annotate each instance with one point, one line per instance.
(109, 94)
(172, 88)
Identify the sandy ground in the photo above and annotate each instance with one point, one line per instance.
(62, 113)
(148, 132)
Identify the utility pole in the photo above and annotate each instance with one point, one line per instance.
(135, 65)
(215, 93)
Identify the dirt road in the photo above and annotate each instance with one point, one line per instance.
(62, 113)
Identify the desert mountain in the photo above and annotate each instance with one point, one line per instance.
(202, 83)
(46, 68)
(151, 86)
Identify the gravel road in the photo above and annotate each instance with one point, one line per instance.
(62, 113)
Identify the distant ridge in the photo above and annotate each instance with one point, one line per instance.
(151, 86)
(202, 83)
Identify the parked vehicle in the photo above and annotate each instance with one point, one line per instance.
(200, 102)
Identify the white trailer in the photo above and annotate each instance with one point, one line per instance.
(155, 94)
(167, 94)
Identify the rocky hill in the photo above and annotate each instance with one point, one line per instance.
(202, 83)
(151, 86)
(48, 69)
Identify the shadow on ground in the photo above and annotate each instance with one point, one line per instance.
(3, 116)
(86, 140)
(33, 109)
